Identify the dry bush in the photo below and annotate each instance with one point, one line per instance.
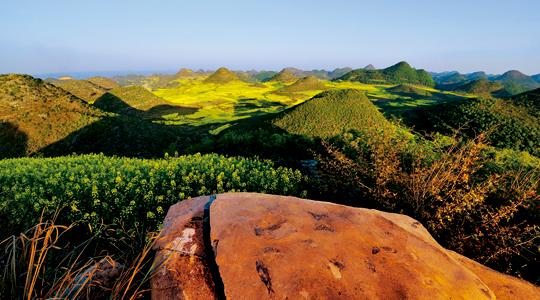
(489, 216)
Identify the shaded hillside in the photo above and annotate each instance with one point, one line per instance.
(103, 82)
(138, 101)
(530, 101)
(536, 78)
(308, 83)
(320, 74)
(331, 113)
(409, 91)
(451, 81)
(127, 136)
(40, 111)
(245, 76)
(284, 76)
(263, 75)
(13, 141)
(399, 73)
(338, 72)
(446, 79)
(482, 87)
(516, 82)
(296, 72)
(82, 89)
(221, 76)
(476, 75)
(39, 118)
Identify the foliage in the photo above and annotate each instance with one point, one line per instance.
(509, 125)
(125, 192)
(484, 209)
(530, 101)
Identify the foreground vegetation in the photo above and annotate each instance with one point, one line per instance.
(106, 207)
(125, 192)
(470, 197)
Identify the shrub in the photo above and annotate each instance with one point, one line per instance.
(509, 125)
(483, 208)
(133, 193)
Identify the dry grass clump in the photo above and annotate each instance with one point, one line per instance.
(43, 263)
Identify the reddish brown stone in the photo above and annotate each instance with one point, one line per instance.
(275, 247)
(504, 286)
(183, 271)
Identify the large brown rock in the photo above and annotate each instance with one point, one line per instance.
(256, 246)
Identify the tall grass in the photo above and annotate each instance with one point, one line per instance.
(43, 263)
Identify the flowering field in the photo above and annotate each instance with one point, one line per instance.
(126, 192)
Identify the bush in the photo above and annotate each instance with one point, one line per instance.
(131, 193)
(509, 125)
(483, 208)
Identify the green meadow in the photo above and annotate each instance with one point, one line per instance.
(226, 102)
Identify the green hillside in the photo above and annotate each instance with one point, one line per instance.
(516, 82)
(481, 87)
(39, 118)
(530, 101)
(308, 83)
(103, 82)
(336, 73)
(409, 90)
(82, 89)
(221, 76)
(263, 75)
(399, 73)
(331, 113)
(35, 114)
(182, 73)
(284, 76)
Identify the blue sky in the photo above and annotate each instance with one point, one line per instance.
(120, 35)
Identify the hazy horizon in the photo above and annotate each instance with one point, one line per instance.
(135, 36)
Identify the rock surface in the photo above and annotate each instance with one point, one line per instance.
(256, 246)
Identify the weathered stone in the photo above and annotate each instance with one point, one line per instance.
(275, 247)
(504, 286)
(181, 256)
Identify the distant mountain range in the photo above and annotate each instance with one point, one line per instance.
(512, 82)
(399, 73)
